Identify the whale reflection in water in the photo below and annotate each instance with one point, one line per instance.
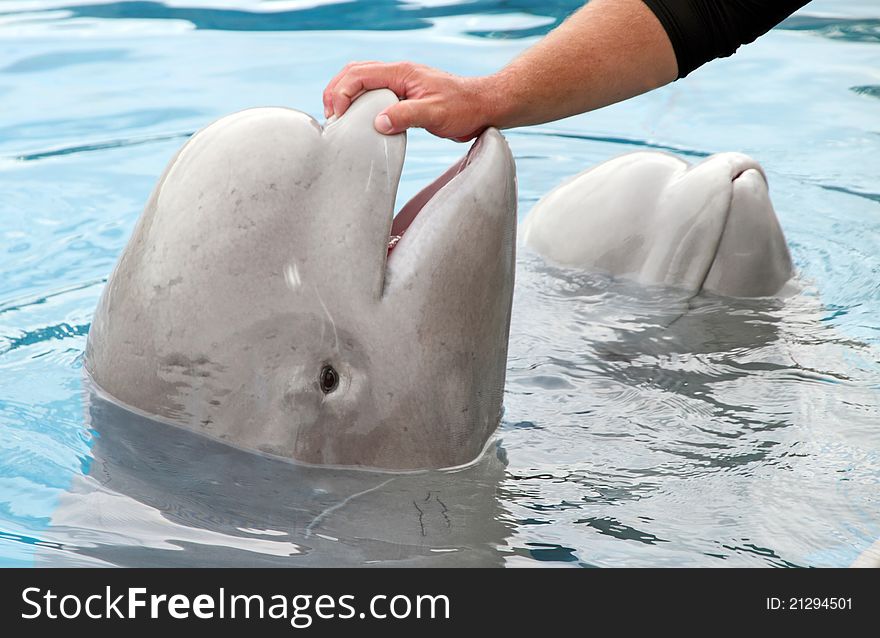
(158, 495)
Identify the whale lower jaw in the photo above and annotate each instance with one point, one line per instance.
(409, 211)
(752, 258)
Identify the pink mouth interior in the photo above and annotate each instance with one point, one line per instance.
(413, 207)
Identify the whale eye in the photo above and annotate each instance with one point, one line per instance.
(329, 379)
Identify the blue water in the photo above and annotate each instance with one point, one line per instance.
(642, 427)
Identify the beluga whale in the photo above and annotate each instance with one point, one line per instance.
(269, 299)
(653, 218)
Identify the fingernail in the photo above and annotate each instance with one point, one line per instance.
(383, 123)
(327, 111)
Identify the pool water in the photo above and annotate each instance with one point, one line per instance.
(642, 427)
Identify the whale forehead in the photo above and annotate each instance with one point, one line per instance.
(268, 192)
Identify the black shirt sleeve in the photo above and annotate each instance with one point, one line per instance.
(702, 30)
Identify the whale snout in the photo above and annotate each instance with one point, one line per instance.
(752, 258)
(731, 164)
(656, 219)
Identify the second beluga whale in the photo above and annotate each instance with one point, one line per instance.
(654, 218)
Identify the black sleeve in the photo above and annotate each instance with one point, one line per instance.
(702, 30)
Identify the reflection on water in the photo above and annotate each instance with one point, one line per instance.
(851, 29)
(642, 426)
(360, 15)
(389, 15)
(158, 495)
(687, 424)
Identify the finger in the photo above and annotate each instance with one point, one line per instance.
(328, 90)
(366, 78)
(406, 114)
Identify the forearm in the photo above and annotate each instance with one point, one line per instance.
(608, 51)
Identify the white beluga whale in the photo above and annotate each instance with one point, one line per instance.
(265, 299)
(653, 218)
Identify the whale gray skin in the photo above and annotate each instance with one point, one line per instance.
(653, 218)
(262, 260)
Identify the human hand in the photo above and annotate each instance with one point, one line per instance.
(446, 105)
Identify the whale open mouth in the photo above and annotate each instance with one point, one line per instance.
(408, 213)
(450, 224)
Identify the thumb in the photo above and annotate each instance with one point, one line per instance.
(403, 115)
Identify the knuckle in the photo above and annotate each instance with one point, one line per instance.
(356, 74)
(439, 114)
(348, 92)
(406, 68)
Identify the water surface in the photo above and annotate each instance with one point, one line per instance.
(642, 426)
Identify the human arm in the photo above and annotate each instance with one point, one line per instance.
(607, 51)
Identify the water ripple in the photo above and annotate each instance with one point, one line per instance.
(642, 426)
(836, 28)
(623, 141)
(99, 146)
(31, 337)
